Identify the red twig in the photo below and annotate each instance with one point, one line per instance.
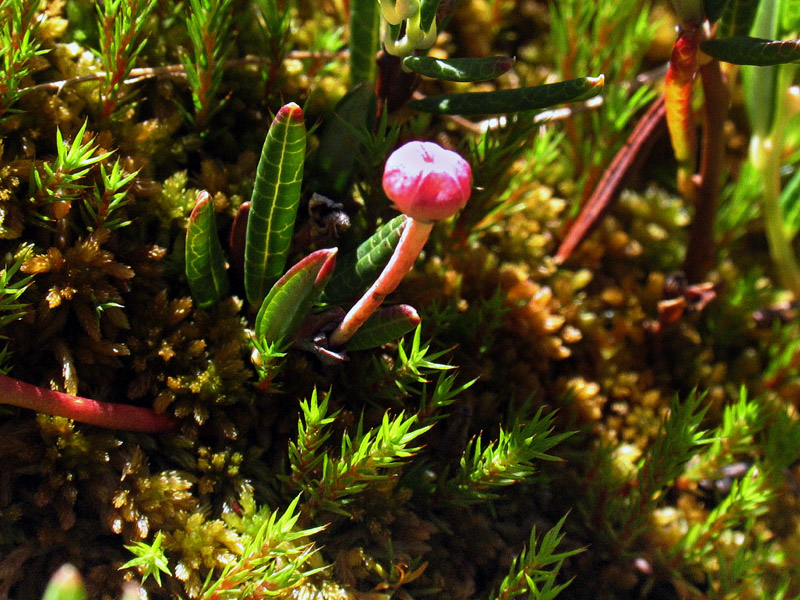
(627, 158)
(84, 410)
(700, 251)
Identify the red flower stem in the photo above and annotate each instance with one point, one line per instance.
(84, 410)
(415, 234)
(700, 250)
(627, 159)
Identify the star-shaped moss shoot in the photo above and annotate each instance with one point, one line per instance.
(427, 183)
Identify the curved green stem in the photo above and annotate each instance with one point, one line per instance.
(415, 234)
(768, 152)
(84, 410)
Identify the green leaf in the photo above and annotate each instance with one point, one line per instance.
(276, 555)
(427, 13)
(65, 584)
(738, 17)
(205, 265)
(762, 90)
(364, 40)
(292, 296)
(790, 206)
(459, 69)
(742, 50)
(507, 101)
(358, 269)
(386, 325)
(273, 205)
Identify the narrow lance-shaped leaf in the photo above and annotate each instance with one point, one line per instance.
(459, 69)
(273, 205)
(386, 325)
(759, 52)
(364, 40)
(292, 296)
(508, 101)
(357, 270)
(205, 265)
(678, 101)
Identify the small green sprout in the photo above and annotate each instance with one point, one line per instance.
(149, 559)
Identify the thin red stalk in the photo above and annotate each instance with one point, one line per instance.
(415, 234)
(700, 250)
(626, 159)
(84, 410)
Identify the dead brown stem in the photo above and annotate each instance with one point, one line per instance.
(627, 159)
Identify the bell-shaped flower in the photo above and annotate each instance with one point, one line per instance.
(427, 182)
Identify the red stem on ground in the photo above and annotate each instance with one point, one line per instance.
(627, 159)
(84, 410)
(700, 251)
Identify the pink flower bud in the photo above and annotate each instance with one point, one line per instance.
(427, 182)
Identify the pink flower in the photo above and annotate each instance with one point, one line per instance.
(427, 182)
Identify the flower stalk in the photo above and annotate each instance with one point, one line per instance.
(415, 234)
(427, 183)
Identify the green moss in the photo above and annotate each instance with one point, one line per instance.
(658, 416)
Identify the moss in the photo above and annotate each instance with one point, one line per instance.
(379, 490)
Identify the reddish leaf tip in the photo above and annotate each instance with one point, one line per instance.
(324, 260)
(409, 312)
(203, 198)
(329, 264)
(290, 111)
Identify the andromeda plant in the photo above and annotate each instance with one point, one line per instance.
(426, 183)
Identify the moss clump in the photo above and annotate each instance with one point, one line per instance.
(659, 415)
